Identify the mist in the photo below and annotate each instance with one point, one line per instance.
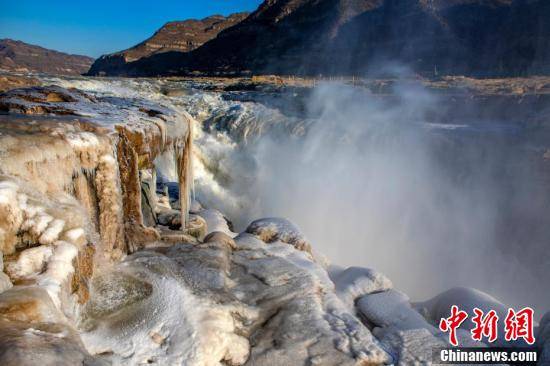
(381, 182)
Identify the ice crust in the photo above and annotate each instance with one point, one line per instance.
(236, 302)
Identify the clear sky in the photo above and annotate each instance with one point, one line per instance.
(101, 26)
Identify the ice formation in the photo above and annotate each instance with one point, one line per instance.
(107, 259)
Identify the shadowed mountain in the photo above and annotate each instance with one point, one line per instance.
(344, 37)
(20, 56)
(180, 36)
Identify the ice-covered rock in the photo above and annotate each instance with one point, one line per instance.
(226, 301)
(171, 324)
(31, 262)
(71, 204)
(355, 282)
(215, 221)
(403, 331)
(93, 147)
(392, 309)
(278, 229)
(409, 346)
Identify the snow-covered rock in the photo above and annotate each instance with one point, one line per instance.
(278, 229)
(402, 330)
(215, 221)
(355, 282)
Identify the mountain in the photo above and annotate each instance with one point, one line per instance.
(20, 56)
(180, 36)
(312, 37)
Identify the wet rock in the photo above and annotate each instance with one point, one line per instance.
(148, 199)
(170, 237)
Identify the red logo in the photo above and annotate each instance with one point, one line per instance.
(485, 326)
(452, 323)
(520, 325)
(516, 325)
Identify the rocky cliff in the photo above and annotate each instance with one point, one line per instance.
(23, 57)
(350, 37)
(178, 36)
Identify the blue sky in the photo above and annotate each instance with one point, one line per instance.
(101, 26)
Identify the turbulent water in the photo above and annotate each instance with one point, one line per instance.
(387, 185)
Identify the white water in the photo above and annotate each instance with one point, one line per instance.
(370, 185)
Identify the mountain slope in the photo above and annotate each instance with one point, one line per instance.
(180, 36)
(20, 56)
(312, 37)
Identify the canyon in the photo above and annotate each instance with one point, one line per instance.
(316, 182)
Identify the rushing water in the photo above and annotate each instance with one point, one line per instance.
(389, 185)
